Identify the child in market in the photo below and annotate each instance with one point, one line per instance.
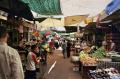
(32, 60)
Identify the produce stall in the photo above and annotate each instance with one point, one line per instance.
(99, 59)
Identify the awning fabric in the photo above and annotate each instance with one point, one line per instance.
(70, 20)
(45, 7)
(4, 4)
(17, 8)
(49, 22)
(113, 6)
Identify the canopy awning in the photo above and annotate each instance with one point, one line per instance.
(45, 7)
(113, 17)
(110, 9)
(49, 22)
(113, 6)
(17, 8)
(70, 20)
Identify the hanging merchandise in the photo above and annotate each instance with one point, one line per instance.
(36, 34)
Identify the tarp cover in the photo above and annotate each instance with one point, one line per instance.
(113, 6)
(16, 8)
(49, 22)
(45, 7)
(70, 20)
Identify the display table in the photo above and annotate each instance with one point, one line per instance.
(107, 63)
(102, 63)
(85, 70)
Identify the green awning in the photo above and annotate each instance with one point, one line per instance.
(45, 7)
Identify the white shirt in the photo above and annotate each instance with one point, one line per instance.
(10, 63)
(30, 61)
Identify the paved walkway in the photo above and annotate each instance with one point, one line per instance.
(60, 68)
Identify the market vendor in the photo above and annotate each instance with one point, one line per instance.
(104, 44)
(112, 46)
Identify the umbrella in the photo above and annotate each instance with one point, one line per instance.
(47, 33)
(42, 32)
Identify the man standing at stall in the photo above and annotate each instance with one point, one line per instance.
(10, 63)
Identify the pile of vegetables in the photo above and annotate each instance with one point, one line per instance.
(99, 53)
(86, 59)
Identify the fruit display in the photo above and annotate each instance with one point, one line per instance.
(99, 53)
(109, 73)
(86, 59)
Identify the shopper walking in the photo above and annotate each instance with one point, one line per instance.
(64, 47)
(32, 60)
(10, 63)
(68, 48)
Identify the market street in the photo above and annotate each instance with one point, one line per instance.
(63, 68)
